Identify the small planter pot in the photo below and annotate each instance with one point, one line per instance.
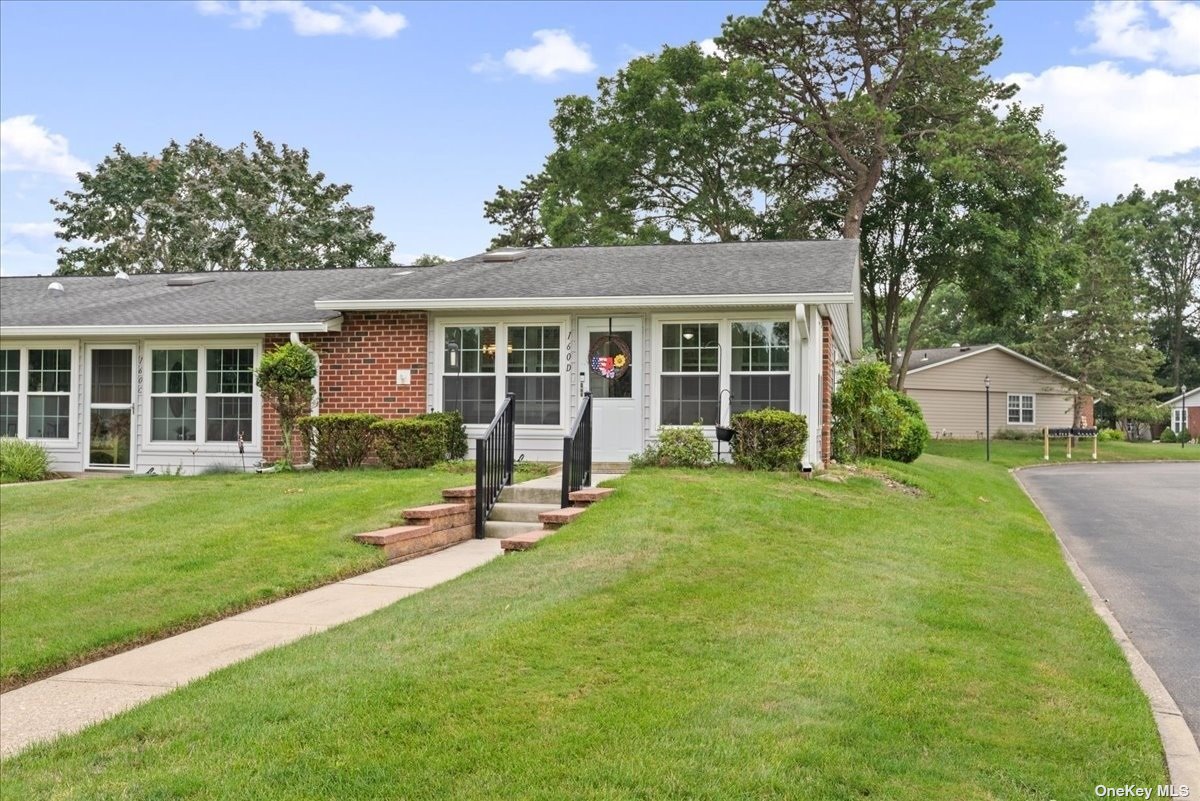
(724, 434)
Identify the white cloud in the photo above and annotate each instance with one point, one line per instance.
(26, 146)
(555, 52)
(1121, 128)
(339, 19)
(709, 48)
(1124, 29)
(34, 230)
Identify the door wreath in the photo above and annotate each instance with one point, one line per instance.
(606, 363)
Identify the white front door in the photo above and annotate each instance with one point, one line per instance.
(611, 369)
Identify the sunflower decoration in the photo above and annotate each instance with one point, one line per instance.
(619, 361)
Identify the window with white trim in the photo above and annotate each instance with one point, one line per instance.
(48, 394)
(229, 395)
(1020, 409)
(469, 372)
(533, 373)
(10, 392)
(760, 366)
(690, 377)
(1178, 420)
(173, 395)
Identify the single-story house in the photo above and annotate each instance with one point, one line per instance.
(1025, 395)
(134, 372)
(1185, 412)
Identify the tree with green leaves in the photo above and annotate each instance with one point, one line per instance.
(980, 207)
(857, 83)
(285, 377)
(1164, 229)
(429, 260)
(670, 148)
(199, 207)
(1100, 335)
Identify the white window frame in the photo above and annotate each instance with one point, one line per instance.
(71, 441)
(562, 397)
(725, 320)
(255, 430)
(175, 447)
(15, 394)
(754, 373)
(1178, 419)
(1021, 408)
(721, 373)
(153, 396)
(502, 325)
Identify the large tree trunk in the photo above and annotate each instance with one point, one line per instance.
(911, 340)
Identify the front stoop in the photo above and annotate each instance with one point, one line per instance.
(428, 528)
(554, 519)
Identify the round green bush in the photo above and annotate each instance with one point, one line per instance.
(769, 439)
(1167, 435)
(23, 461)
(1110, 435)
(677, 447)
(1184, 436)
(912, 434)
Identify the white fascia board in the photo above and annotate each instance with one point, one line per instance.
(14, 331)
(1175, 400)
(621, 301)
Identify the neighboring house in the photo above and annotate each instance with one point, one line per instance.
(130, 373)
(1185, 412)
(1025, 395)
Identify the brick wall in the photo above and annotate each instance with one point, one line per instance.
(826, 390)
(1087, 410)
(358, 370)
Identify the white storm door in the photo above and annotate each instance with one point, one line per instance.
(611, 369)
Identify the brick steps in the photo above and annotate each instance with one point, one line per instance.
(428, 528)
(554, 519)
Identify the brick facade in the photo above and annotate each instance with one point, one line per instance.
(827, 367)
(358, 369)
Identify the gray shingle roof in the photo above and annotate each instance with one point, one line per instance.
(263, 298)
(939, 355)
(729, 268)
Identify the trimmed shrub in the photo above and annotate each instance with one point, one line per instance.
(338, 441)
(769, 439)
(677, 447)
(455, 432)
(1184, 436)
(1110, 435)
(1167, 436)
(285, 376)
(412, 442)
(23, 461)
(913, 434)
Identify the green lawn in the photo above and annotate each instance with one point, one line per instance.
(698, 635)
(1016, 453)
(95, 565)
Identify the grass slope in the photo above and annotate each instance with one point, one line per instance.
(90, 566)
(698, 635)
(1019, 453)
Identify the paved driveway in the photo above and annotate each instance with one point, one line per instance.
(1135, 531)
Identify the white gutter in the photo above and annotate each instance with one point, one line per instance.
(334, 324)
(610, 302)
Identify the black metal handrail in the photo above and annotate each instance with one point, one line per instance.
(494, 461)
(577, 452)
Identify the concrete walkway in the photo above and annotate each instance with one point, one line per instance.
(77, 698)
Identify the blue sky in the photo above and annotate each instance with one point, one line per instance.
(426, 107)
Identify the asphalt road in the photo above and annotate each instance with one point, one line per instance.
(1134, 529)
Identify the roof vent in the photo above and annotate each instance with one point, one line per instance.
(56, 286)
(964, 349)
(121, 275)
(403, 272)
(504, 255)
(190, 280)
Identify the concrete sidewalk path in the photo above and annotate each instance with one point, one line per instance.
(77, 698)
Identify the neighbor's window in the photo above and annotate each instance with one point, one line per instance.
(759, 367)
(690, 373)
(1020, 409)
(173, 391)
(469, 377)
(228, 401)
(1178, 420)
(49, 394)
(533, 373)
(10, 391)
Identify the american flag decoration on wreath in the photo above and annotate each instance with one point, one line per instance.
(604, 362)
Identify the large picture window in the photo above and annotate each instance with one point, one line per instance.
(228, 400)
(691, 379)
(49, 394)
(759, 369)
(1020, 409)
(173, 389)
(469, 372)
(10, 392)
(533, 373)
